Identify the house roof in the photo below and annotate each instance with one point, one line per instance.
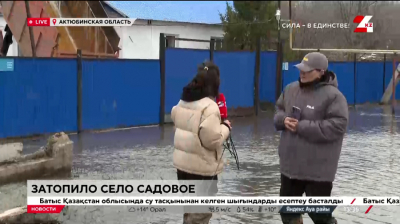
(178, 11)
(117, 11)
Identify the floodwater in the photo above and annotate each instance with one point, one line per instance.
(369, 166)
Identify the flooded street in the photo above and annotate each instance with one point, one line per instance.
(369, 166)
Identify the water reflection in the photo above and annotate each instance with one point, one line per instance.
(369, 166)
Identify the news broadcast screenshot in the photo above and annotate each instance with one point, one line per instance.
(198, 112)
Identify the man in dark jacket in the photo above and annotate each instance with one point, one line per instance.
(312, 134)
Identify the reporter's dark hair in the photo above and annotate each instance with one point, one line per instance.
(204, 84)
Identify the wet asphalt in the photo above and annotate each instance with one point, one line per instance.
(369, 166)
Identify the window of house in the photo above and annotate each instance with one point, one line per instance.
(218, 42)
(170, 41)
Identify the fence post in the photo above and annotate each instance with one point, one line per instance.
(79, 90)
(384, 73)
(282, 54)
(162, 78)
(212, 45)
(257, 77)
(355, 78)
(394, 84)
(278, 83)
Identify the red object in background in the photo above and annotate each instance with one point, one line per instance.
(38, 21)
(222, 106)
(45, 208)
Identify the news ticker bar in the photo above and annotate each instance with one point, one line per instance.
(202, 209)
(80, 22)
(211, 201)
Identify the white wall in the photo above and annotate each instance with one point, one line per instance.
(141, 41)
(13, 49)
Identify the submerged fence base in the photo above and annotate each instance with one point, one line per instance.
(55, 157)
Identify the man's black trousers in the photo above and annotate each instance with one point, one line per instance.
(296, 188)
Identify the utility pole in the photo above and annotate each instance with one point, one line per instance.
(290, 22)
(279, 23)
(278, 85)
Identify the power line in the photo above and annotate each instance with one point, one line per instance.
(189, 23)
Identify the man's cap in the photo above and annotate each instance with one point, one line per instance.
(312, 61)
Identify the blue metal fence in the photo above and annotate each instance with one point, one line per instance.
(268, 76)
(364, 86)
(237, 77)
(120, 93)
(40, 95)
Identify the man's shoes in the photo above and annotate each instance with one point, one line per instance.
(332, 221)
(299, 220)
(290, 220)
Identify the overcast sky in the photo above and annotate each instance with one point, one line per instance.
(183, 11)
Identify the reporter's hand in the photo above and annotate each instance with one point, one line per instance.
(228, 123)
(291, 124)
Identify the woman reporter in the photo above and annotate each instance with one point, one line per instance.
(199, 132)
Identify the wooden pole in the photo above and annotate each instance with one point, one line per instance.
(278, 81)
(162, 79)
(394, 84)
(212, 44)
(257, 77)
(290, 18)
(384, 72)
(79, 90)
(355, 78)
